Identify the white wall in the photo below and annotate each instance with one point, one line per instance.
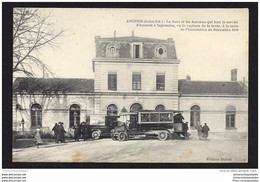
(55, 108)
(148, 102)
(124, 76)
(213, 111)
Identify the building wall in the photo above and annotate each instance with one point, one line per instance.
(148, 102)
(213, 111)
(55, 108)
(124, 76)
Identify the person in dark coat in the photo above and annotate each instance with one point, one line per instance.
(185, 130)
(84, 130)
(54, 129)
(205, 131)
(60, 132)
(76, 132)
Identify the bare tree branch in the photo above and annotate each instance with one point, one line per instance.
(32, 30)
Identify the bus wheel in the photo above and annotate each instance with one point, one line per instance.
(113, 137)
(163, 135)
(122, 136)
(95, 135)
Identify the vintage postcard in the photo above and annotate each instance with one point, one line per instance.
(130, 85)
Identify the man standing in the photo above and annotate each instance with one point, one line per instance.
(185, 130)
(205, 131)
(60, 132)
(76, 132)
(54, 129)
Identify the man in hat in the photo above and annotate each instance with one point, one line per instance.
(185, 130)
(55, 132)
(205, 131)
(76, 132)
(60, 132)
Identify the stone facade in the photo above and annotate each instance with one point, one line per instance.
(117, 56)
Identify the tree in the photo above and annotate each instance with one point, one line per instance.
(32, 30)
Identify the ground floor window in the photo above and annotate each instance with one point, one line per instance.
(74, 114)
(160, 108)
(230, 117)
(112, 110)
(195, 116)
(36, 115)
(136, 107)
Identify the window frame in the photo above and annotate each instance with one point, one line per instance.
(74, 108)
(112, 84)
(133, 50)
(193, 115)
(230, 114)
(136, 83)
(112, 110)
(36, 113)
(160, 83)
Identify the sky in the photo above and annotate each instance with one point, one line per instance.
(206, 56)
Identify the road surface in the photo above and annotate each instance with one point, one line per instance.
(216, 149)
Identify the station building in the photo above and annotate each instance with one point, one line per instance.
(130, 74)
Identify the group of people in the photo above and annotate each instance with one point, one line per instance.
(203, 131)
(59, 132)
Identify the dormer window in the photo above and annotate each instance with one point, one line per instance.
(160, 52)
(112, 51)
(137, 50)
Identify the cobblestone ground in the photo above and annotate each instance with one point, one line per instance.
(219, 148)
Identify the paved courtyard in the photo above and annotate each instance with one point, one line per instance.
(219, 148)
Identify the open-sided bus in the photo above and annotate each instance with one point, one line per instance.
(163, 124)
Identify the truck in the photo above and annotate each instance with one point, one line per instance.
(99, 126)
(162, 124)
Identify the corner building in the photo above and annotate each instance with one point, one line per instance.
(135, 73)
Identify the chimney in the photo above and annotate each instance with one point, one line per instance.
(115, 34)
(234, 75)
(133, 33)
(188, 78)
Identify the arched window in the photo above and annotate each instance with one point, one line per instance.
(194, 116)
(160, 108)
(74, 114)
(230, 117)
(136, 107)
(112, 110)
(36, 115)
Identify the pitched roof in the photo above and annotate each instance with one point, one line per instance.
(135, 39)
(71, 85)
(42, 85)
(211, 87)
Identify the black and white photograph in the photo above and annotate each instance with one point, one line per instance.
(130, 85)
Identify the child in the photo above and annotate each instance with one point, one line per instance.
(37, 137)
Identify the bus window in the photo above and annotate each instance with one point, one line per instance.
(145, 118)
(154, 117)
(166, 117)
